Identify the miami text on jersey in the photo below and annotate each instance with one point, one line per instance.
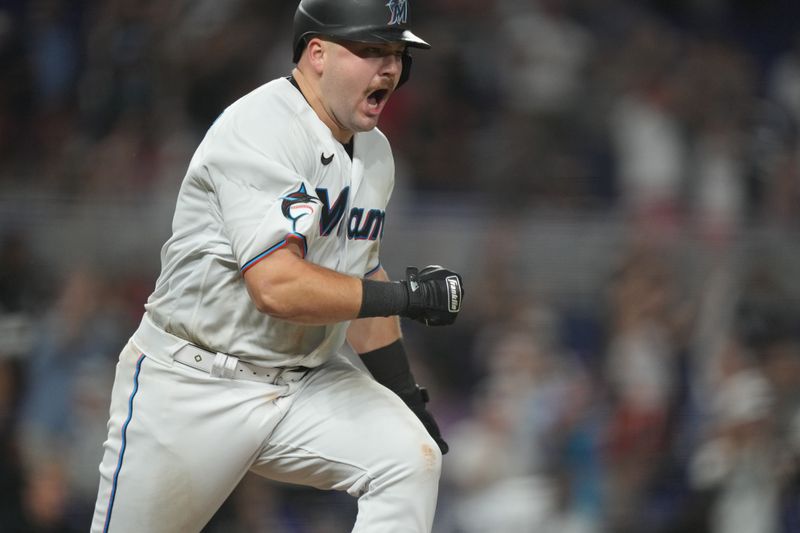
(362, 223)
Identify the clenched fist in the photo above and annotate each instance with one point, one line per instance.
(434, 295)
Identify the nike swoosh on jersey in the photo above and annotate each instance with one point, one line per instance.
(325, 160)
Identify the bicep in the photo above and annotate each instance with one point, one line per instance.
(272, 271)
(286, 286)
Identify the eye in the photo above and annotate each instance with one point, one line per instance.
(374, 51)
(367, 51)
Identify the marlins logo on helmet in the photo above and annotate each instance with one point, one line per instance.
(398, 10)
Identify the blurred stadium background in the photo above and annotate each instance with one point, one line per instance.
(619, 181)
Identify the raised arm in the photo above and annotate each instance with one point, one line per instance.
(286, 286)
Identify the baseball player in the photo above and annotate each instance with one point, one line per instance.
(273, 265)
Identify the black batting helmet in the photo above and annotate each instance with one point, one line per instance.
(367, 21)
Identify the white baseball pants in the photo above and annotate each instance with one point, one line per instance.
(179, 441)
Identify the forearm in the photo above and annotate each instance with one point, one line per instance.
(367, 334)
(389, 366)
(286, 286)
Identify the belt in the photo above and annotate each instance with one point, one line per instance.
(227, 366)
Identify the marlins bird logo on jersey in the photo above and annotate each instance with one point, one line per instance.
(298, 204)
(398, 10)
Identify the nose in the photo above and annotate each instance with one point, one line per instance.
(392, 65)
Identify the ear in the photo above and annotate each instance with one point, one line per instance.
(316, 52)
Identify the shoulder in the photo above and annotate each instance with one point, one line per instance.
(270, 108)
(377, 140)
(268, 121)
(375, 150)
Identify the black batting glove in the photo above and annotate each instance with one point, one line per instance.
(415, 400)
(389, 366)
(434, 295)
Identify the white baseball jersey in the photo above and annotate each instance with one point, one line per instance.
(268, 172)
(180, 438)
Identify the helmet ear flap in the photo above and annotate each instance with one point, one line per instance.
(405, 73)
(298, 49)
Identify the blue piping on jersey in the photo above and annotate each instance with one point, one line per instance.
(371, 272)
(291, 237)
(124, 442)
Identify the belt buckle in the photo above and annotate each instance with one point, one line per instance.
(224, 366)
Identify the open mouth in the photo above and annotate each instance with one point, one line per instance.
(375, 98)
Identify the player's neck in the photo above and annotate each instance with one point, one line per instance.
(311, 94)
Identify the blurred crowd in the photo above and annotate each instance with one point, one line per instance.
(666, 399)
